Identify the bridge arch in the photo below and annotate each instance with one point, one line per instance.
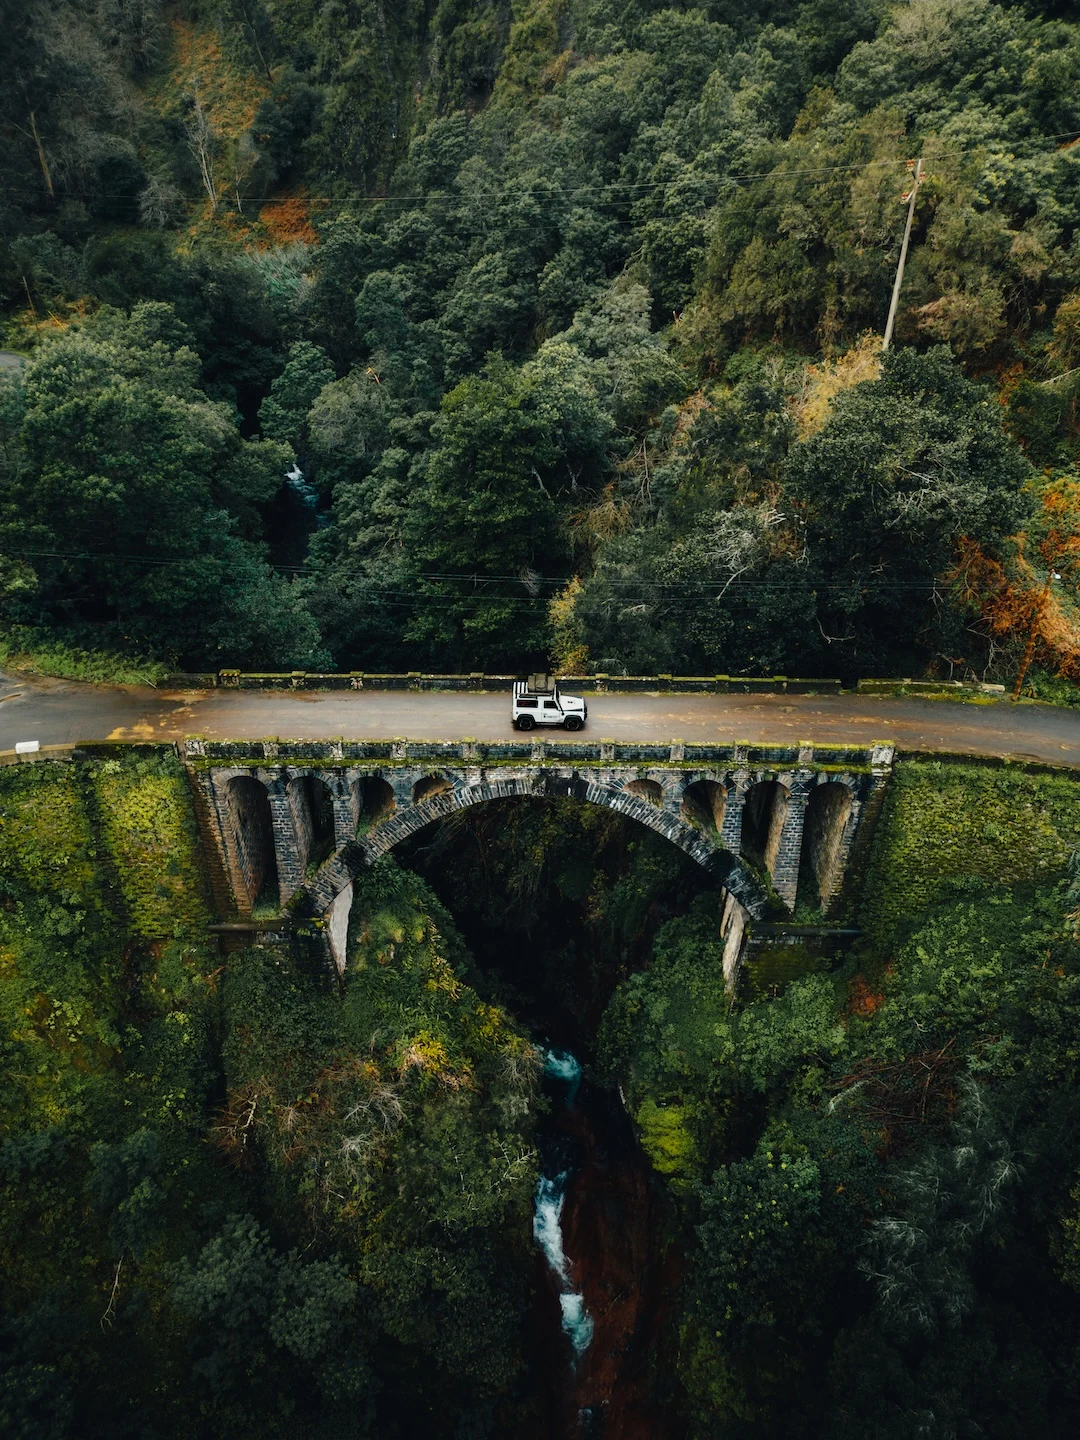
(764, 813)
(312, 806)
(320, 896)
(374, 800)
(247, 805)
(651, 791)
(704, 802)
(829, 814)
(430, 786)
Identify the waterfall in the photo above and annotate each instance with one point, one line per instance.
(577, 1323)
(561, 1065)
(305, 493)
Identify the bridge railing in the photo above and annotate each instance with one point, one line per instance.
(478, 682)
(543, 750)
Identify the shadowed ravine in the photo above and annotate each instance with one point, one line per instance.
(599, 1313)
(559, 903)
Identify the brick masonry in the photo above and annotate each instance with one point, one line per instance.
(383, 792)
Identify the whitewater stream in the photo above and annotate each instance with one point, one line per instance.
(306, 495)
(563, 1068)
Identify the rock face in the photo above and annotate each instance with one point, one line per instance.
(614, 1229)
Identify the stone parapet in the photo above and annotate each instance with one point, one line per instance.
(479, 683)
(301, 754)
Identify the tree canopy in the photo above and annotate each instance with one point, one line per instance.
(581, 306)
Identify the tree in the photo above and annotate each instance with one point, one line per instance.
(905, 467)
(283, 415)
(922, 1259)
(484, 526)
(762, 1261)
(271, 1328)
(132, 497)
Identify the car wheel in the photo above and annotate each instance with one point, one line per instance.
(573, 722)
(525, 722)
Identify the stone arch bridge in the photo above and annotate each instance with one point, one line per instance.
(295, 822)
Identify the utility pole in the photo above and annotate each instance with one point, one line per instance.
(903, 255)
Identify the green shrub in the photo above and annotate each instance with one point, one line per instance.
(44, 833)
(37, 653)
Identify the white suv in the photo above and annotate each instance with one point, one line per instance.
(539, 701)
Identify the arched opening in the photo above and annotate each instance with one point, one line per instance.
(313, 817)
(647, 810)
(373, 800)
(429, 787)
(703, 804)
(649, 790)
(541, 889)
(827, 813)
(763, 822)
(248, 807)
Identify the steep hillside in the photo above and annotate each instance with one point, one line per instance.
(235, 1201)
(568, 311)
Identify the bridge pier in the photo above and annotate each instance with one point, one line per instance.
(337, 928)
(346, 805)
(787, 853)
(731, 827)
(289, 841)
(734, 918)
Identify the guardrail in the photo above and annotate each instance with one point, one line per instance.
(477, 682)
(925, 687)
(543, 750)
(86, 750)
(24, 755)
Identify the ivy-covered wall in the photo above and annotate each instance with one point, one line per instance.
(943, 822)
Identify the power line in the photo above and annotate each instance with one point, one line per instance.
(503, 191)
(664, 591)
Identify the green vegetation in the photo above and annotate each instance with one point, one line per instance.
(876, 1167)
(242, 1196)
(943, 823)
(32, 652)
(150, 838)
(398, 1125)
(234, 1200)
(568, 311)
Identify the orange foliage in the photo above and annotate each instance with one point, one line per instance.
(861, 999)
(1032, 594)
(689, 411)
(1008, 378)
(231, 96)
(823, 383)
(288, 220)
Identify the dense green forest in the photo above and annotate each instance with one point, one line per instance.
(568, 311)
(477, 335)
(241, 1199)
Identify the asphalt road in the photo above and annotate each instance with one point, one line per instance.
(57, 712)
